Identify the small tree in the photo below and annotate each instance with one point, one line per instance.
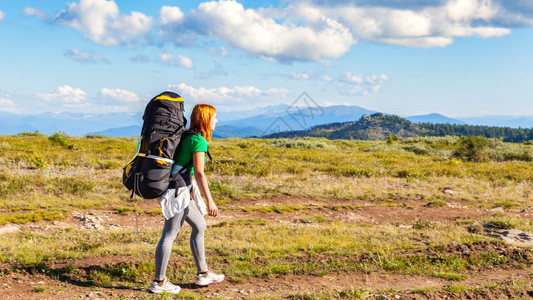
(60, 138)
(392, 138)
(472, 148)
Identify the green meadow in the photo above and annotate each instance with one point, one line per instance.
(271, 232)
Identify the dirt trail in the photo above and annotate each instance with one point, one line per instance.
(404, 212)
(21, 284)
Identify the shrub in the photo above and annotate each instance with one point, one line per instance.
(500, 222)
(505, 204)
(36, 133)
(313, 219)
(246, 222)
(392, 138)
(424, 224)
(358, 172)
(433, 140)
(40, 289)
(38, 161)
(14, 185)
(71, 185)
(23, 218)
(472, 148)
(523, 155)
(61, 139)
(418, 149)
(221, 188)
(436, 203)
(302, 143)
(96, 136)
(245, 144)
(500, 151)
(123, 210)
(409, 173)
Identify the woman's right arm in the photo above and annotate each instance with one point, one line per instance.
(199, 175)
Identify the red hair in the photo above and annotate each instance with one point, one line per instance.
(201, 120)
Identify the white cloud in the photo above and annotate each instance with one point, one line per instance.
(434, 25)
(170, 14)
(2, 15)
(119, 95)
(419, 42)
(311, 75)
(361, 85)
(9, 105)
(299, 75)
(169, 59)
(85, 57)
(305, 30)
(459, 31)
(468, 10)
(360, 79)
(256, 32)
(247, 95)
(41, 15)
(7, 102)
(67, 96)
(218, 51)
(118, 108)
(351, 78)
(101, 22)
(319, 30)
(185, 62)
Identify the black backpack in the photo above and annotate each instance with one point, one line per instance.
(147, 174)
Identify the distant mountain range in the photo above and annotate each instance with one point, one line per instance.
(253, 122)
(501, 121)
(75, 124)
(374, 127)
(435, 119)
(379, 126)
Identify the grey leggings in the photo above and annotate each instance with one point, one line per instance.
(171, 228)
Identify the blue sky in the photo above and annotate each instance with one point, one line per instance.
(454, 57)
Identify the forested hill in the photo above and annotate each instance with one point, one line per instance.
(378, 127)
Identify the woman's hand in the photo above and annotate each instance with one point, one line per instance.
(212, 209)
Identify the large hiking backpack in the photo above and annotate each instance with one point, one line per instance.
(147, 174)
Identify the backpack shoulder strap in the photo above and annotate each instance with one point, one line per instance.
(191, 132)
(189, 164)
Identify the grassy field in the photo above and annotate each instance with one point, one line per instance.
(294, 212)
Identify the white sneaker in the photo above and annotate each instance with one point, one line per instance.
(164, 287)
(209, 278)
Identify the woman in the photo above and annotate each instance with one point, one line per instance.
(193, 147)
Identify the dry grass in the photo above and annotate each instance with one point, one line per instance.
(88, 175)
(43, 179)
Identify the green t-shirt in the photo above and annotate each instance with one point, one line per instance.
(190, 144)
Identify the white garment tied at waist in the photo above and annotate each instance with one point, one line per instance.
(175, 201)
